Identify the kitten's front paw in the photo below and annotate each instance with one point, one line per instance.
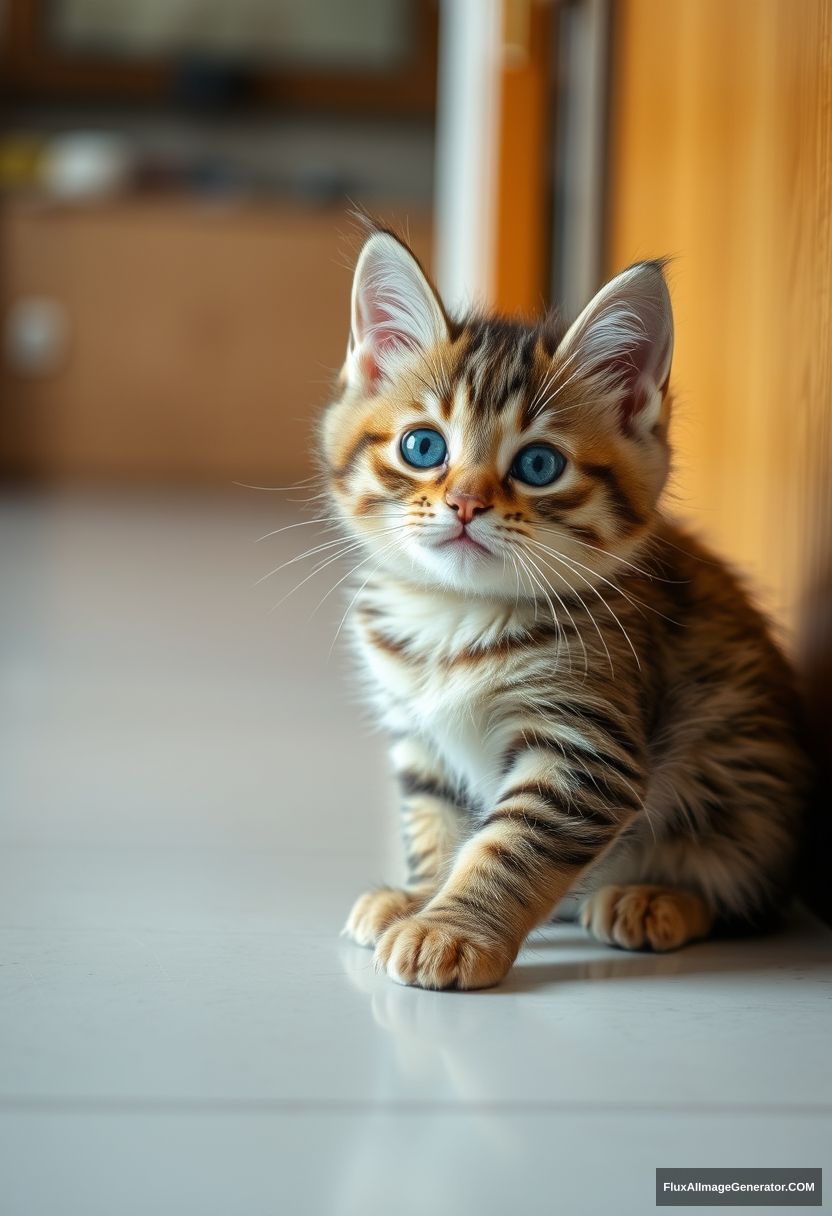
(433, 953)
(374, 911)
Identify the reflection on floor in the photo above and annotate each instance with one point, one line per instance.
(189, 800)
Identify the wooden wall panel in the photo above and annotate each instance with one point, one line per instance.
(720, 156)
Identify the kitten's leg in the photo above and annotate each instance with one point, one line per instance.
(639, 916)
(431, 822)
(562, 805)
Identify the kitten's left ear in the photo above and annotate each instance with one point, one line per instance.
(623, 340)
(395, 311)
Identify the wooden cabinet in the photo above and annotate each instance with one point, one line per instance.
(200, 340)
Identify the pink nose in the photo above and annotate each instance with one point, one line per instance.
(466, 505)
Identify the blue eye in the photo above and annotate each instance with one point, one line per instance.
(538, 465)
(424, 448)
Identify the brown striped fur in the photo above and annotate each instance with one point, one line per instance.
(592, 707)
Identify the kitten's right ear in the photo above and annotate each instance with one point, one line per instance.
(395, 311)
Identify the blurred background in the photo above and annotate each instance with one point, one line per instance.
(176, 237)
(189, 797)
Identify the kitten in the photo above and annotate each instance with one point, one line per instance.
(580, 697)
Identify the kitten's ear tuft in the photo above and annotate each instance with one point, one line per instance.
(623, 340)
(395, 311)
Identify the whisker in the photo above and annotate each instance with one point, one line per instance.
(321, 519)
(301, 523)
(353, 600)
(279, 489)
(517, 578)
(586, 609)
(385, 549)
(531, 584)
(560, 558)
(347, 542)
(351, 547)
(568, 613)
(615, 557)
(654, 539)
(596, 548)
(565, 608)
(639, 605)
(315, 570)
(322, 566)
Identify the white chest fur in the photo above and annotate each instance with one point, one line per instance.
(410, 643)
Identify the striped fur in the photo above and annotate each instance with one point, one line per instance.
(592, 707)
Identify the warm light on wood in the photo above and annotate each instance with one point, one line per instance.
(523, 131)
(722, 126)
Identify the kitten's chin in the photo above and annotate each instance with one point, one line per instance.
(466, 568)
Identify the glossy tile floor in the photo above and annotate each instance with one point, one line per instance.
(189, 801)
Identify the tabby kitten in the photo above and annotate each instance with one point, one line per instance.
(580, 697)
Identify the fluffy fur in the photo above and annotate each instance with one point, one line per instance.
(580, 697)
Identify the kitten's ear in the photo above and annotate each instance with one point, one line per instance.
(395, 311)
(624, 341)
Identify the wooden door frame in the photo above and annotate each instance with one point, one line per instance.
(494, 129)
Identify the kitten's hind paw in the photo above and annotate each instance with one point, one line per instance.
(641, 917)
(374, 911)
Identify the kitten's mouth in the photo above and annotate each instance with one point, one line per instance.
(464, 541)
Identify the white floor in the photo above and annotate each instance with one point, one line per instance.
(189, 801)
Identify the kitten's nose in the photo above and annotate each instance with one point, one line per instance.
(466, 505)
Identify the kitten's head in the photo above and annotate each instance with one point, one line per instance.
(493, 457)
